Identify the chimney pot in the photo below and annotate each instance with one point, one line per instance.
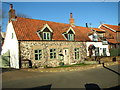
(11, 6)
(71, 15)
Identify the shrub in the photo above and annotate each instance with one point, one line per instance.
(115, 52)
(45, 66)
(34, 66)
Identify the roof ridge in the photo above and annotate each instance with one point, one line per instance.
(43, 20)
(50, 21)
(110, 24)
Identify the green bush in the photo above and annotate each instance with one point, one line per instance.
(34, 66)
(45, 66)
(115, 52)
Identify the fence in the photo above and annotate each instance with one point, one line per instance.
(5, 60)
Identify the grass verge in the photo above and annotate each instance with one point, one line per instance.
(70, 65)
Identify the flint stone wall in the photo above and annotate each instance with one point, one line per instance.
(27, 51)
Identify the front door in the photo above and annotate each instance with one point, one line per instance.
(66, 56)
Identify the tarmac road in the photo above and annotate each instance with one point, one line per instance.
(105, 77)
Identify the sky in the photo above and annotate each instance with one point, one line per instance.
(83, 12)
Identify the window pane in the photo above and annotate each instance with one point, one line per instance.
(36, 56)
(54, 56)
(51, 54)
(50, 50)
(44, 35)
(36, 51)
(72, 37)
(48, 36)
(75, 54)
(54, 49)
(75, 49)
(40, 51)
(69, 36)
(40, 56)
(51, 57)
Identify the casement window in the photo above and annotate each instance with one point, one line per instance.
(38, 54)
(76, 53)
(70, 36)
(53, 53)
(104, 51)
(97, 51)
(46, 35)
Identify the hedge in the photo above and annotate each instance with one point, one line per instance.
(115, 52)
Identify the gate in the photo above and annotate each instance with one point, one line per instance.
(5, 59)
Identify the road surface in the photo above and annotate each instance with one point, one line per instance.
(105, 77)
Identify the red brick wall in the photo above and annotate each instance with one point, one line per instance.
(118, 36)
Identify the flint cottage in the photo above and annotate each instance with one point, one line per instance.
(46, 43)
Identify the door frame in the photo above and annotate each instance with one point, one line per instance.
(68, 55)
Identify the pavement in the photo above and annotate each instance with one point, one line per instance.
(69, 69)
(103, 77)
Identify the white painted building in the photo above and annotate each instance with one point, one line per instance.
(101, 47)
(11, 44)
(99, 50)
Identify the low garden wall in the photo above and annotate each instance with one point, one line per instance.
(104, 59)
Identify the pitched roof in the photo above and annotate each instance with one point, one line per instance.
(110, 35)
(111, 40)
(98, 30)
(113, 27)
(26, 29)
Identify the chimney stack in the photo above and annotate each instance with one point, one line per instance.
(11, 13)
(71, 20)
(11, 6)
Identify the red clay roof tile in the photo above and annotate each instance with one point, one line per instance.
(26, 29)
(110, 35)
(114, 27)
(98, 30)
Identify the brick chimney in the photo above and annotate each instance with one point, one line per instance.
(11, 13)
(71, 20)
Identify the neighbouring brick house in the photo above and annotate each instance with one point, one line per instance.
(44, 42)
(112, 35)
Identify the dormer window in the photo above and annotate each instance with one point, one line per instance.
(70, 36)
(46, 35)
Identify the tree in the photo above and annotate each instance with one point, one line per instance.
(23, 15)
